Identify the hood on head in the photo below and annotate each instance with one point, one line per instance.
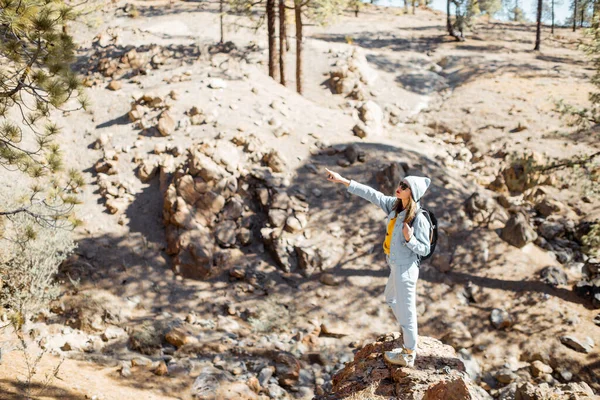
(418, 186)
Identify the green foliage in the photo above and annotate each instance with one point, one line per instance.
(29, 262)
(585, 117)
(592, 49)
(324, 12)
(36, 53)
(489, 7)
(591, 241)
(35, 58)
(518, 15)
(575, 116)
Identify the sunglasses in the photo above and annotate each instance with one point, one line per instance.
(403, 186)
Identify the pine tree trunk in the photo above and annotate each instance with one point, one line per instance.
(271, 33)
(406, 6)
(448, 21)
(553, 17)
(221, 17)
(298, 18)
(282, 40)
(582, 17)
(515, 12)
(575, 15)
(414, 2)
(538, 30)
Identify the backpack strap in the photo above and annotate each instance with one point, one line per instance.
(420, 210)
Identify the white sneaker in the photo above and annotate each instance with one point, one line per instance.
(400, 357)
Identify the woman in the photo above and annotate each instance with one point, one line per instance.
(404, 243)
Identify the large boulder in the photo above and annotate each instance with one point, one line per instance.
(481, 208)
(390, 176)
(518, 232)
(372, 115)
(214, 383)
(368, 375)
(523, 172)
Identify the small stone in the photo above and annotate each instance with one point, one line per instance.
(244, 236)
(264, 375)
(217, 83)
(538, 368)
(582, 346)
(147, 170)
(293, 225)
(160, 148)
(115, 85)
(225, 233)
(166, 124)
(253, 384)
(113, 332)
(178, 337)
(343, 163)
(553, 276)
(125, 370)
(66, 347)
(550, 229)
(501, 319)
(566, 375)
(141, 362)
(117, 206)
(161, 369)
(329, 280)
(505, 376)
(237, 273)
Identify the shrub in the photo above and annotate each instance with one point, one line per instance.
(29, 259)
(591, 241)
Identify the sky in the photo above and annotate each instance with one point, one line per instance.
(560, 11)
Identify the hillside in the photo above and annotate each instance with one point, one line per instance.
(216, 260)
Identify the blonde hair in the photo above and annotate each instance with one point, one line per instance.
(411, 209)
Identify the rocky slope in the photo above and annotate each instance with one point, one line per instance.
(216, 260)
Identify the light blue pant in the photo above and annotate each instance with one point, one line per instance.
(401, 295)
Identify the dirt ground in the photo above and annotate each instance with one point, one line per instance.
(486, 87)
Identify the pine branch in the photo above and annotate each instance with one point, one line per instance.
(570, 163)
(21, 81)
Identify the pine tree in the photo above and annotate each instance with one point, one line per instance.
(319, 11)
(538, 30)
(298, 4)
(490, 7)
(270, 11)
(35, 57)
(575, 8)
(282, 41)
(593, 51)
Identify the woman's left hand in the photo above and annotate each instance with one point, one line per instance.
(407, 231)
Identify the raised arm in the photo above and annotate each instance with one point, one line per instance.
(386, 203)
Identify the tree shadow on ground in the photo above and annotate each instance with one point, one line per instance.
(88, 59)
(201, 6)
(15, 390)
(367, 41)
(136, 264)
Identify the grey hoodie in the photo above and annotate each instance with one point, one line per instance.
(418, 186)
